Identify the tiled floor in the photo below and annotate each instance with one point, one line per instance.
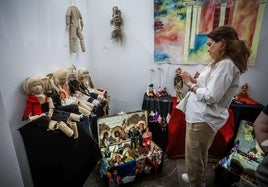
(170, 176)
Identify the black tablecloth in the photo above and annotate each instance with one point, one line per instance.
(163, 104)
(57, 160)
(245, 112)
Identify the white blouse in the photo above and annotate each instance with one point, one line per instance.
(216, 88)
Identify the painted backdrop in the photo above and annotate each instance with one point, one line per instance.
(181, 27)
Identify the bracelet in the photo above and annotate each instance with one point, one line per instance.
(191, 88)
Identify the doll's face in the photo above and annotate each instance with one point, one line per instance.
(85, 81)
(35, 87)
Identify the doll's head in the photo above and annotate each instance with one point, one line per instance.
(72, 72)
(84, 77)
(47, 83)
(33, 85)
(61, 76)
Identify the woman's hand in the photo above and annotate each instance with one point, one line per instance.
(186, 78)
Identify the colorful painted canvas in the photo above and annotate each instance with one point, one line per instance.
(181, 27)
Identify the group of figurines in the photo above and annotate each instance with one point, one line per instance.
(62, 99)
(127, 149)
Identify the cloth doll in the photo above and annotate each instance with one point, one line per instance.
(60, 84)
(87, 87)
(75, 25)
(74, 85)
(39, 108)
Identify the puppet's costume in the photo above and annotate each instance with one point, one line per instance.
(75, 23)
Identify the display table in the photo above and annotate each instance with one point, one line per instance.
(176, 135)
(163, 105)
(57, 160)
(246, 112)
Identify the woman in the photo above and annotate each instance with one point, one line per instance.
(210, 95)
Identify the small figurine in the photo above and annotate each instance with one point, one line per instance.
(150, 92)
(151, 116)
(133, 134)
(114, 179)
(141, 131)
(147, 138)
(178, 85)
(243, 96)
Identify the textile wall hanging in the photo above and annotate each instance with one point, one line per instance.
(180, 27)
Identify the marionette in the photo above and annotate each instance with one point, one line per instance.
(87, 87)
(75, 26)
(150, 92)
(178, 85)
(74, 85)
(59, 83)
(117, 21)
(40, 109)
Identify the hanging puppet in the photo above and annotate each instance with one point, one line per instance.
(117, 21)
(75, 26)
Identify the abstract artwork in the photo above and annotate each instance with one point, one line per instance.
(181, 27)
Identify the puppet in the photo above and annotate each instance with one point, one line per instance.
(178, 85)
(74, 85)
(60, 84)
(87, 87)
(39, 108)
(117, 21)
(151, 92)
(75, 26)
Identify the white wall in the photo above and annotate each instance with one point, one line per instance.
(34, 41)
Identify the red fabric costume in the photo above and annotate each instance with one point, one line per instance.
(33, 106)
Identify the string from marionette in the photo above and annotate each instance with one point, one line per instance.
(40, 109)
(117, 22)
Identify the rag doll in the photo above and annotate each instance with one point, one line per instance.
(74, 85)
(40, 109)
(60, 84)
(75, 25)
(87, 87)
(48, 90)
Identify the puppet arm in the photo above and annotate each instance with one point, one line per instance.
(51, 107)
